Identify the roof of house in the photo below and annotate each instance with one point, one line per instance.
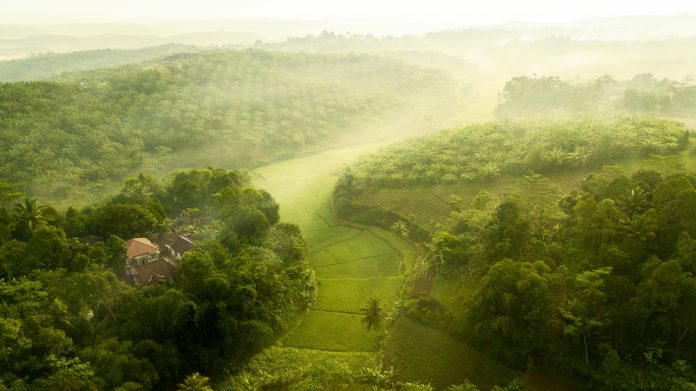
(182, 244)
(140, 246)
(177, 242)
(161, 270)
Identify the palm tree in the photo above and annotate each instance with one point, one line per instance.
(374, 314)
(194, 382)
(7, 192)
(31, 213)
(137, 190)
(633, 202)
(400, 228)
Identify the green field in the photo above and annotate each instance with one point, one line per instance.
(355, 262)
(352, 263)
(345, 295)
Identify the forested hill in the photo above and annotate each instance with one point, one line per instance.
(485, 151)
(548, 96)
(249, 106)
(50, 65)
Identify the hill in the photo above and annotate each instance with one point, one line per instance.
(49, 65)
(436, 189)
(240, 108)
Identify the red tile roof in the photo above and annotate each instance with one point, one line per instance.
(140, 246)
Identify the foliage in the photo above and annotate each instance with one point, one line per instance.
(483, 152)
(303, 369)
(68, 322)
(604, 295)
(49, 65)
(194, 382)
(96, 127)
(373, 314)
(552, 97)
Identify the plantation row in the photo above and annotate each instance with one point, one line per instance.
(552, 97)
(105, 124)
(483, 152)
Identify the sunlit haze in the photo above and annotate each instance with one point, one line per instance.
(432, 13)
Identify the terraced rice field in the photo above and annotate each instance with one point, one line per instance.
(352, 263)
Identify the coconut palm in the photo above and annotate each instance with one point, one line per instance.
(374, 314)
(31, 214)
(195, 382)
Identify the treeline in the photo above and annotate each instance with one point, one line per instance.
(547, 96)
(599, 288)
(481, 152)
(50, 65)
(68, 322)
(102, 125)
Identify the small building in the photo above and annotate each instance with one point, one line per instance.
(175, 245)
(141, 251)
(160, 271)
(146, 265)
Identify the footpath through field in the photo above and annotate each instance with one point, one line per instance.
(352, 263)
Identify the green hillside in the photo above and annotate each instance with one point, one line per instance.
(236, 108)
(50, 65)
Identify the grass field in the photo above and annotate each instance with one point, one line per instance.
(346, 295)
(352, 263)
(419, 353)
(332, 331)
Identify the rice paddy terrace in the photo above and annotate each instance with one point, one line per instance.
(352, 263)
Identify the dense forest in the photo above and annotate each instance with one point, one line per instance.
(599, 287)
(485, 151)
(552, 97)
(103, 125)
(69, 322)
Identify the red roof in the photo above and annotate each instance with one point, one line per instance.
(140, 246)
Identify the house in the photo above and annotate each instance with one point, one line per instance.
(175, 245)
(146, 265)
(141, 251)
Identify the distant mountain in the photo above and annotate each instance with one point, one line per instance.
(21, 47)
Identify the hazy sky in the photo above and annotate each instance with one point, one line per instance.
(462, 12)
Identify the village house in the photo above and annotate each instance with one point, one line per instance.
(146, 265)
(175, 245)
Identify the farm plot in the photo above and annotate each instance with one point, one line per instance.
(352, 263)
(332, 331)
